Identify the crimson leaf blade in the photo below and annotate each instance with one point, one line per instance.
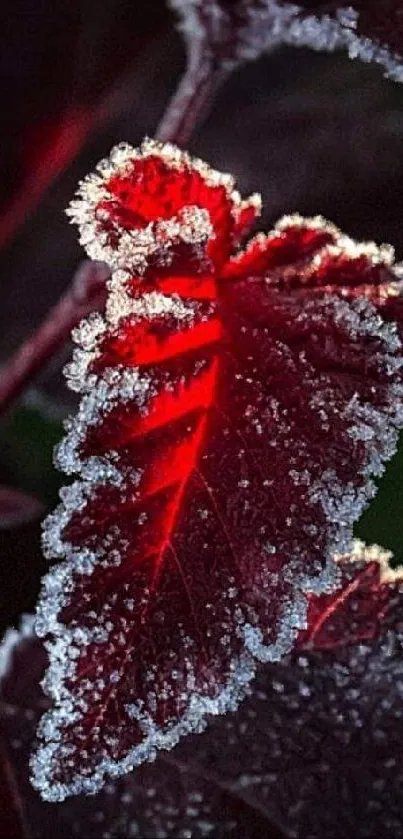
(233, 415)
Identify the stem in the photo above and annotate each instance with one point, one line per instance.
(86, 293)
(191, 100)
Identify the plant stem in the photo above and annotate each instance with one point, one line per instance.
(191, 100)
(86, 293)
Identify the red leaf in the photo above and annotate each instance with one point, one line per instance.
(356, 611)
(225, 444)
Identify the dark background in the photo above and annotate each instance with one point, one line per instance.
(313, 133)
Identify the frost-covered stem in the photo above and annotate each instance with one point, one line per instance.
(191, 100)
(12, 819)
(86, 293)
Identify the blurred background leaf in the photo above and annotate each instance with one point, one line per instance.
(17, 508)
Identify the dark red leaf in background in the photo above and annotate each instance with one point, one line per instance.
(233, 414)
(318, 744)
(370, 591)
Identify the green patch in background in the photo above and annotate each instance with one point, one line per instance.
(28, 436)
(382, 522)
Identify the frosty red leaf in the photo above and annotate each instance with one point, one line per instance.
(236, 405)
(370, 589)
